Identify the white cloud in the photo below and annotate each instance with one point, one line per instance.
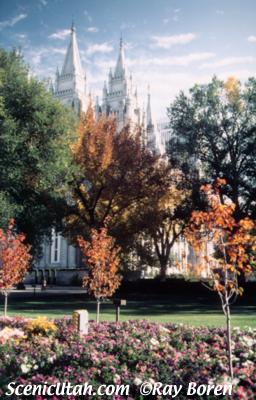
(183, 61)
(88, 15)
(11, 22)
(92, 29)
(21, 36)
(43, 60)
(43, 2)
(228, 61)
(251, 39)
(61, 35)
(165, 42)
(58, 50)
(165, 84)
(99, 48)
(220, 12)
(240, 74)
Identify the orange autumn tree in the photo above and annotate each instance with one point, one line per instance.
(102, 258)
(118, 178)
(14, 260)
(232, 245)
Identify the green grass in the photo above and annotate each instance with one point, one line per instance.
(174, 310)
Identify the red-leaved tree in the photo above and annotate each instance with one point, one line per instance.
(102, 258)
(14, 260)
(233, 244)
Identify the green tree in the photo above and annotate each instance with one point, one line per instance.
(214, 128)
(35, 156)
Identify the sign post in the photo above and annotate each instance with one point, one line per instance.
(118, 303)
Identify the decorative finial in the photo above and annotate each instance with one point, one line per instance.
(148, 89)
(73, 25)
(121, 40)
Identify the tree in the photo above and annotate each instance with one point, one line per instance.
(14, 260)
(168, 218)
(118, 179)
(35, 156)
(101, 257)
(233, 244)
(214, 130)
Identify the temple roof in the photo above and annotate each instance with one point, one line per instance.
(120, 65)
(72, 63)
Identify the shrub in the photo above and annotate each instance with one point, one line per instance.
(129, 352)
(40, 326)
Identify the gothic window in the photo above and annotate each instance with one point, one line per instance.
(55, 247)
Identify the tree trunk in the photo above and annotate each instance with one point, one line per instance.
(98, 311)
(163, 269)
(229, 341)
(5, 303)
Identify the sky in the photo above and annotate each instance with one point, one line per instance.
(169, 44)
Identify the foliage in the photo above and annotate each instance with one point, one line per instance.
(129, 353)
(233, 242)
(40, 326)
(7, 334)
(214, 133)
(101, 257)
(35, 157)
(168, 218)
(119, 179)
(14, 257)
(233, 245)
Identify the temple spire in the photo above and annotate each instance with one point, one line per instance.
(120, 65)
(71, 82)
(72, 63)
(72, 26)
(149, 114)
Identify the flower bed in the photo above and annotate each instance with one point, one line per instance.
(127, 353)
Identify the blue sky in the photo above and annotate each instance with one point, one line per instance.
(170, 44)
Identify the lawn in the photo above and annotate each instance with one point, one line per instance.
(159, 309)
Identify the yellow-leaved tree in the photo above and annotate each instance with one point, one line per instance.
(102, 259)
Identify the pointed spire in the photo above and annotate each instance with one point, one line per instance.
(120, 65)
(72, 63)
(149, 114)
(51, 86)
(105, 91)
(72, 26)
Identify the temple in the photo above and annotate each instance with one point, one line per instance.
(61, 262)
(70, 83)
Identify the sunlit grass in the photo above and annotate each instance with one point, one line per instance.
(157, 310)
